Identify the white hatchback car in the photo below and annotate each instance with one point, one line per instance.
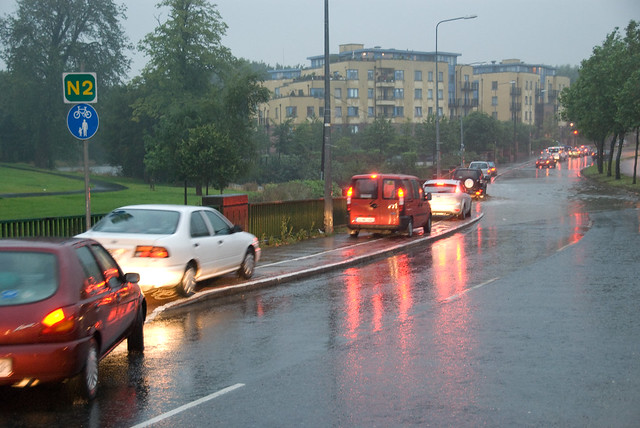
(175, 245)
(448, 197)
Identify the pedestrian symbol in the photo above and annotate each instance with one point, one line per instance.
(82, 121)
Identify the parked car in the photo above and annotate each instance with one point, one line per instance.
(546, 161)
(473, 181)
(448, 197)
(64, 305)
(176, 245)
(387, 203)
(481, 165)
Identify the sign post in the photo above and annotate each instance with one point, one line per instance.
(82, 119)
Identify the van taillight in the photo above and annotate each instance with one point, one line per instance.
(400, 197)
(349, 194)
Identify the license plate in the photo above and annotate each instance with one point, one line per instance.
(365, 219)
(5, 367)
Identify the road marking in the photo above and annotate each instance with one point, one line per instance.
(188, 406)
(475, 287)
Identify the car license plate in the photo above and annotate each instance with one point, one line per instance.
(365, 219)
(5, 367)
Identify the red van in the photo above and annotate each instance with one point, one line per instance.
(387, 203)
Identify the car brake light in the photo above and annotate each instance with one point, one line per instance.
(349, 194)
(152, 252)
(400, 197)
(58, 322)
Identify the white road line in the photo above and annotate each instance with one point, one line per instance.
(475, 287)
(188, 406)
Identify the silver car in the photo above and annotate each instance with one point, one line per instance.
(448, 197)
(484, 166)
(175, 245)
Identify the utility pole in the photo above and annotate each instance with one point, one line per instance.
(326, 130)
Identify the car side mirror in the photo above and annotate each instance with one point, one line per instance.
(132, 277)
(427, 197)
(236, 228)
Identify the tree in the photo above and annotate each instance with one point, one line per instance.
(41, 41)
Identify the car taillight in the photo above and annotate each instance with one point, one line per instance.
(400, 197)
(349, 194)
(58, 322)
(151, 251)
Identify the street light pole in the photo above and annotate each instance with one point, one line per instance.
(438, 155)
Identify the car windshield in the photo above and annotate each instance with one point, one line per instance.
(144, 221)
(440, 188)
(481, 165)
(27, 277)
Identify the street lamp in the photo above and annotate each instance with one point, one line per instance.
(438, 92)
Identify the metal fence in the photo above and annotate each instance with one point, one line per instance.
(266, 220)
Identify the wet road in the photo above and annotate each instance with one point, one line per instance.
(528, 318)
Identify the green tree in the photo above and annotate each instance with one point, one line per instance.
(41, 41)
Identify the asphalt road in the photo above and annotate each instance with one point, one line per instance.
(527, 317)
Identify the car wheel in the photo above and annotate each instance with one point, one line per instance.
(469, 210)
(463, 213)
(135, 341)
(187, 286)
(354, 233)
(248, 265)
(86, 384)
(410, 228)
(427, 226)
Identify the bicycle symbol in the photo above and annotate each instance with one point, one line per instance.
(82, 111)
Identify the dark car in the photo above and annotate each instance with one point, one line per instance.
(64, 305)
(473, 181)
(546, 161)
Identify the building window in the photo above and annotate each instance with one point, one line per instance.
(494, 101)
(430, 76)
(370, 93)
(398, 111)
(398, 93)
(321, 111)
(418, 112)
(495, 115)
(417, 94)
(311, 112)
(370, 112)
(439, 111)
(440, 76)
(317, 92)
(417, 75)
(430, 111)
(369, 74)
(352, 92)
(352, 111)
(494, 85)
(338, 111)
(440, 94)
(292, 112)
(337, 93)
(399, 74)
(352, 74)
(429, 94)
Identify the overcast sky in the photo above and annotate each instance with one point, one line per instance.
(550, 32)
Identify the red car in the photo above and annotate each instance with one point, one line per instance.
(64, 305)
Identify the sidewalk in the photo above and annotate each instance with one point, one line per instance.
(288, 263)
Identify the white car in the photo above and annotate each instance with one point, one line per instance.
(448, 197)
(175, 245)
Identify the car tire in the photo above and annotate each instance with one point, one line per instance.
(469, 210)
(135, 341)
(86, 383)
(427, 226)
(248, 265)
(410, 228)
(187, 286)
(354, 233)
(463, 213)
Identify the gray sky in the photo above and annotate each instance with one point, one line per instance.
(551, 32)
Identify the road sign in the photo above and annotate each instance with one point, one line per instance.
(82, 121)
(79, 88)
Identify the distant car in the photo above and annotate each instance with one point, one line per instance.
(558, 153)
(473, 181)
(176, 245)
(448, 197)
(64, 305)
(546, 161)
(493, 171)
(484, 166)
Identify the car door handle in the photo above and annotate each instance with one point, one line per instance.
(196, 244)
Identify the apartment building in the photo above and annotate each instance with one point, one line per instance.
(399, 85)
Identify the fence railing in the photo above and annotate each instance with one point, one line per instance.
(266, 220)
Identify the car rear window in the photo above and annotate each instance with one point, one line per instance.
(365, 188)
(27, 277)
(153, 222)
(441, 188)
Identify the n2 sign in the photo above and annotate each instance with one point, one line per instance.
(79, 88)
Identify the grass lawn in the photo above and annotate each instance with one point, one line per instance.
(625, 181)
(21, 181)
